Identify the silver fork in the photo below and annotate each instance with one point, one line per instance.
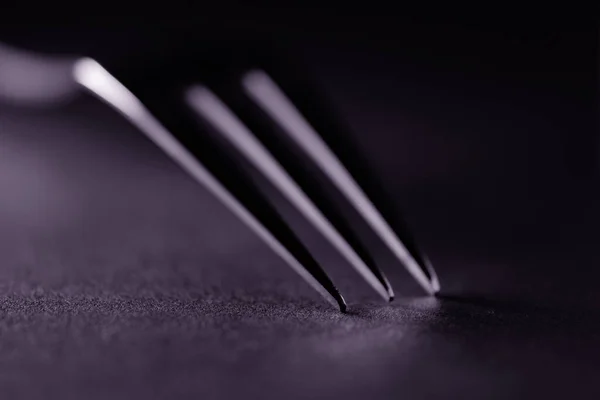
(234, 127)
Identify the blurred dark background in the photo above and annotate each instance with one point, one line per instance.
(120, 277)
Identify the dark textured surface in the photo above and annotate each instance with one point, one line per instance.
(120, 278)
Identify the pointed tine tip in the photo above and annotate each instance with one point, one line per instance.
(339, 300)
(390, 292)
(343, 307)
(434, 281)
(335, 298)
(387, 285)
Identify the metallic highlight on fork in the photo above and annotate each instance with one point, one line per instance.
(213, 109)
(272, 99)
(168, 115)
(100, 82)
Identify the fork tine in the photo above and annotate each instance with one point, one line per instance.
(229, 126)
(158, 113)
(326, 151)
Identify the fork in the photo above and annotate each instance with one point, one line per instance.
(242, 123)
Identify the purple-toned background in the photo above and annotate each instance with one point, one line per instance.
(121, 278)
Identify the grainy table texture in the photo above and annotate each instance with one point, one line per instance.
(121, 278)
